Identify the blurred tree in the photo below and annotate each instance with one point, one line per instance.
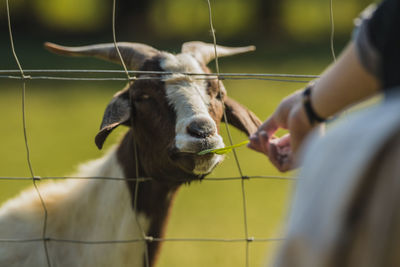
(309, 20)
(304, 20)
(190, 19)
(134, 11)
(72, 15)
(268, 19)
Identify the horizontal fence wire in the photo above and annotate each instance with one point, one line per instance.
(137, 75)
(147, 239)
(146, 179)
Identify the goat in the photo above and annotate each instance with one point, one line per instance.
(171, 118)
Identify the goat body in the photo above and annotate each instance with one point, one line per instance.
(89, 210)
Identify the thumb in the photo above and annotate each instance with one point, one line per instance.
(259, 141)
(270, 126)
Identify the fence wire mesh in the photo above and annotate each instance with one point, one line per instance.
(131, 76)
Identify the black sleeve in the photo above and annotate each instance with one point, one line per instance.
(377, 41)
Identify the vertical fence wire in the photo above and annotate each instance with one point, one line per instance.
(332, 35)
(243, 189)
(24, 128)
(137, 182)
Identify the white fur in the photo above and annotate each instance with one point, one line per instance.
(188, 96)
(88, 210)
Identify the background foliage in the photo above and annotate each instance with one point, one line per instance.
(299, 20)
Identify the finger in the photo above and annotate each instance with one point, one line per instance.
(254, 145)
(254, 142)
(281, 156)
(270, 126)
(273, 155)
(264, 141)
(260, 142)
(286, 163)
(284, 140)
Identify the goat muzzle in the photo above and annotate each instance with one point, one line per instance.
(201, 128)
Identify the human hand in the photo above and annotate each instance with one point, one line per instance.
(278, 150)
(282, 151)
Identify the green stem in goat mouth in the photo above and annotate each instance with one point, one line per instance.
(223, 150)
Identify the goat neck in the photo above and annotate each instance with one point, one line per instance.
(154, 198)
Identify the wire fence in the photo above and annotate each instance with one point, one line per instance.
(131, 76)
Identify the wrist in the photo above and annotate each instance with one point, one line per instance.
(299, 126)
(312, 116)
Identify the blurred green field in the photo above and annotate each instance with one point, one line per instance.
(63, 118)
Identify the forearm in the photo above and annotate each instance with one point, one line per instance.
(344, 83)
(360, 72)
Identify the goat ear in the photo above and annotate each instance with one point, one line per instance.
(241, 117)
(117, 112)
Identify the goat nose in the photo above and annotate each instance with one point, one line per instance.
(200, 128)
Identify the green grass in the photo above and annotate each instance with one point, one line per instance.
(63, 118)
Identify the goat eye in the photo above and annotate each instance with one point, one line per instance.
(143, 97)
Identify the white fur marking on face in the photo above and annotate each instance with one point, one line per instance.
(189, 98)
(188, 95)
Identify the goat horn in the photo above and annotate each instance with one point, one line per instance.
(134, 54)
(204, 52)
